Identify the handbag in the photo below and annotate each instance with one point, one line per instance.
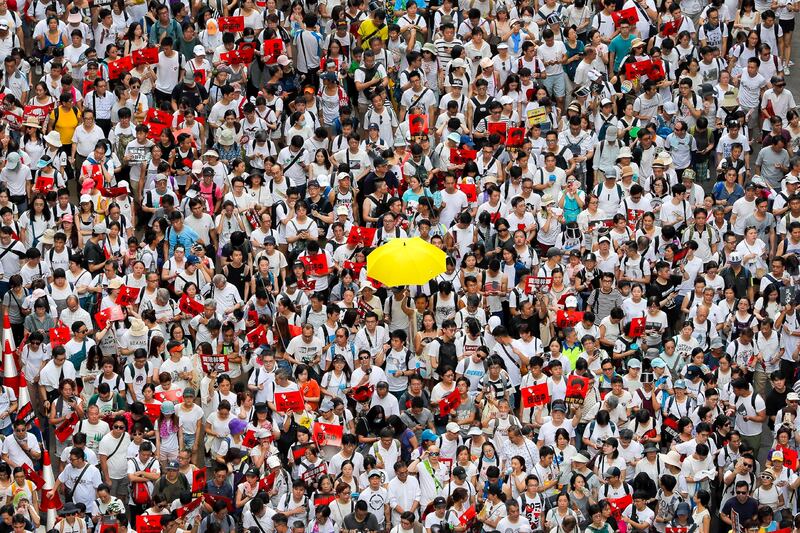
(68, 493)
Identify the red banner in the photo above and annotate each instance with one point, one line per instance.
(500, 128)
(39, 112)
(535, 395)
(568, 319)
(148, 523)
(535, 284)
(218, 362)
(127, 295)
(172, 395)
(231, 24)
(289, 401)
(628, 15)
(236, 57)
(59, 336)
(273, 48)
(449, 403)
(66, 428)
(361, 236)
(190, 306)
(636, 327)
(577, 388)
(327, 434)
(33, 476)
(316, 264)
(145, 56)
(199, 480)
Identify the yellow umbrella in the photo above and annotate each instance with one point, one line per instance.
(405, 261)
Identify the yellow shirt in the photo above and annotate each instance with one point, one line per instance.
(67, 123)
(369, 29)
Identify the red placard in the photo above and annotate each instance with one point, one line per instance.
(272, 49)
(298, 451)
(677, 529)
(218, 362)
(152, 410)
(323, 60)
(145, 56)
(317, 264)
(636, 327)
(257, 336)
(577, 387)
(127, 295)
(568, 319)
(629, 15)
(515, 138)
(459, 156)
(467, 516)
(65, 429)
(33, 476)
(471, 190)
(189, 508)
(313, 474)
(656, 72)
(327, 434)
(500, 128)
(211, 499)
(94, 172)
(361, 236)
(172, 395)
(671, 28)
(39, 112)
(190, 306)
(120, 66)
(306, 284)
(362, 393)
(535, 395)
(148, 523)
(199, 480)
(109, 314)
(157, 116)
(639, 68)
(231, 24)
(266, 482)
(249, 440)
(109, 524)
(239, 56)
(323, 500)
(418, 124)
(618, 505)
(355, 267)
(59, 336)
(449, 403)
(289, 401)
(790, 459)
(534, 284)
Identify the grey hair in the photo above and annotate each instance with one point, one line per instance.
(162, 295)
(210, 303)
(219, 278)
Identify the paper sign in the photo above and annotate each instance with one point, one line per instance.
(152, 410)
(199, 480)
(676, 529)
(537, 116)
(120, 66)
(190, 306)
(258, 336)
(471, 190)
(59, 336)
(239, 56)
(362, 393)
(272, 49)
(190, 510)
(289, 401)
(535, 395)
(515, 138)
(671, 28)
(577, 387)
(637, 69)
(148, 523)
(39, 112)
(231, 24)
(65, 429)
(355, 267)
(628, 15)
(535, 284)
(418, 124)
(568, 319)
(323, 500)
(298, 451)
(249, 440)
(449, 403)
(306, 284)
(211, 499)
(127, 295)
(361, 236)
(637, 327)
(173, 395)
(109, 524)
(317, 264)
(670, 426)
(266, 483)
(619, 504)
(145, 56)
(461, 156)
(790, 459)
(467, 516)
(327, 434)
(313, 474)
(109, 314)
(33, 476)
(499, 128)
(218, 362)
(113, 192)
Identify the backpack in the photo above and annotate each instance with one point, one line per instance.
(56, 113)
(140, 492)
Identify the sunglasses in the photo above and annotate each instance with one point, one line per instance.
(119, 427)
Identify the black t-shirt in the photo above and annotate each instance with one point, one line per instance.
(369, 524)
(662, 291)
(92, 254)
(774, 402)
(195, 94)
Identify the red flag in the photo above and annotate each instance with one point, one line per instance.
(449, 403)
(59, 336)
(239, 56)
(148, 523)
(327, 434)
(127, 295)
(145, 56)
(173, 395)
(272, 49)
(190, 306)
(470, 190)
(418, 124)
(317, 264)
(500, 128)
(577, 387)
(535, 395)
(568, 319)
(231, 24)
(218, 362)
(33, 476)
(120, 66)
(65, 429)
(515, 138)
(199, 480)
(467, 515)
(629, 15)
(636, 328)
(361, 236)
(535, 284)
(289, 401)
(44, 184)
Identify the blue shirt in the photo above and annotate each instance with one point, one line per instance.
(621, 48)
(187, 237)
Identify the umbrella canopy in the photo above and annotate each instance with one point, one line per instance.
(405, 261)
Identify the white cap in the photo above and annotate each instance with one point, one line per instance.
(571, 301)
(199, 50)
(452, 427)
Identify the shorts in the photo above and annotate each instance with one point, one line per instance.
(787, 25)
(555, 85)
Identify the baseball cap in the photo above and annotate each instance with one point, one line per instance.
(429, 435)
(173, 465)
(612, 472)
(439, 501)
(735, 258)
(452, 427)
(679, 384)
(634, 363)
(658, 363)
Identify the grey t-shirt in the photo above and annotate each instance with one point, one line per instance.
(762, 226)
(369, 524)
(767, 159)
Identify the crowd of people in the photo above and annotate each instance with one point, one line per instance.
(189, 193)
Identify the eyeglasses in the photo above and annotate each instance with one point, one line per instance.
(363, 358)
